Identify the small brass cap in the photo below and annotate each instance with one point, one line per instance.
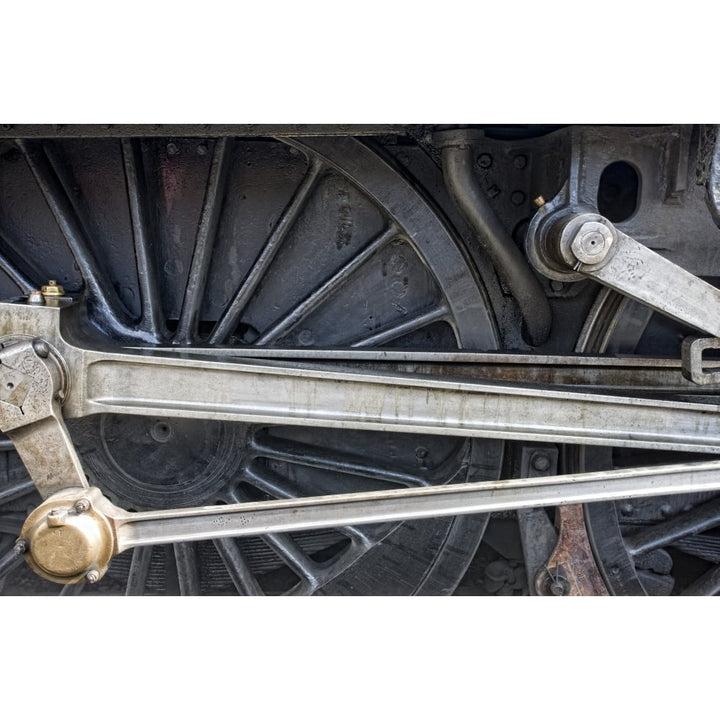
(539, 201)
(52, 289)
(68, 538)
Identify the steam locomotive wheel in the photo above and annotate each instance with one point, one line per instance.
(312, 243)
(657, 545)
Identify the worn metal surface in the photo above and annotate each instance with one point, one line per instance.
(572, 559)
(32, 381)
(537, 532)
(106, 529)
(69, 539)
(415, 290)
(136, 206)
(511, 266)
(304, 395)
(570, 244)
(693, 366)
(206, 130)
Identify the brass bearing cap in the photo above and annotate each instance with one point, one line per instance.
(69, 539)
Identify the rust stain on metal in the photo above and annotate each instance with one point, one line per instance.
(574, 555)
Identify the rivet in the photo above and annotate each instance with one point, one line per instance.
(485, 161)
(540, 462)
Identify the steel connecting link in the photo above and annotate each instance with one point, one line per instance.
(568, 245)
(74, 533)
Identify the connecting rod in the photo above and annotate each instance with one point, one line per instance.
(75, 532)
(91, 530)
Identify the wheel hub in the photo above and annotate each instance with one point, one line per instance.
(160, 463)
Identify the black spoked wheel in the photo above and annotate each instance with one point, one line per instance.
(650, 546)
(317, 242)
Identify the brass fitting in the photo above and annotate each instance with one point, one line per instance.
(69, 539)
(52, 289)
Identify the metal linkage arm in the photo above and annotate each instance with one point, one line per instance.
(566, 245)
(93, 530)
(32, 384)
(279, 393)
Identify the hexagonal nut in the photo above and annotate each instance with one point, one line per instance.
(592, 242)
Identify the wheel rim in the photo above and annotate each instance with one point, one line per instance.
(384, 270)
(685, 564)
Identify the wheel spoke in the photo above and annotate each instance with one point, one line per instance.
(204, 241)
(707, 584)
(230, 318)
(97, 284)
(237, 567)
(8, 562)
(18, 490)
(186, 564)
(287, 549)
(404, 327)
(700, 518)
(705, 547)
(12, 271)
(11, 523)
(299, 453)
(327, 289)
(152, 318)
(275, 485)
(139, 569)
(293, 556)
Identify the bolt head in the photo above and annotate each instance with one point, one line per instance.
(56, 518)
(485, 161)
(592, 243)
(541, 462)
(82, 506)
(41, 348)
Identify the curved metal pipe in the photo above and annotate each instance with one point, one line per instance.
(510, 264)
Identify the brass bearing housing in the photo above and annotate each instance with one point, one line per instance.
(69, 539)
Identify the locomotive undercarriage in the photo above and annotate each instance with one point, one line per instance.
(371, 360)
